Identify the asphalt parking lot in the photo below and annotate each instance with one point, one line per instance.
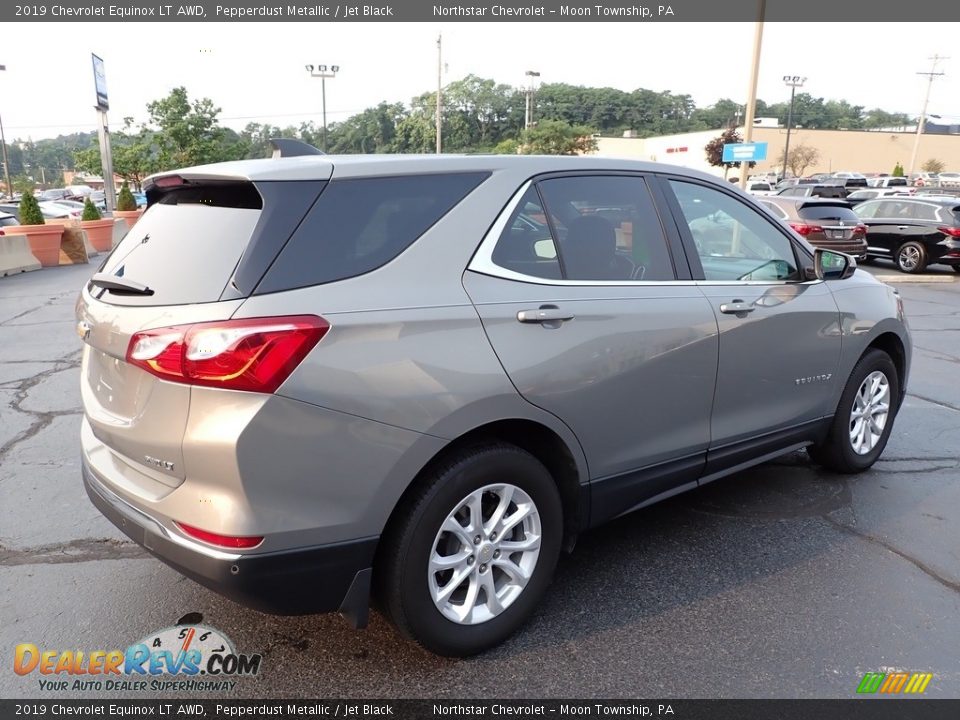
(783, 581)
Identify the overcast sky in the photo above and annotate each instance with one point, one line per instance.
(255, 72)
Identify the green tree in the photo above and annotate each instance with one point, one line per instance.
(23, 184)
(898, 170)
(188, 133)
(30, 210)
(125, 200)
(555, 137)
(90, 211)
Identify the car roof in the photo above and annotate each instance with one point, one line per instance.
(806, 201)
(936, 199)
(322, 167)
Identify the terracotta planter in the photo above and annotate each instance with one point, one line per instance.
(44, 241)
(100, 233)
(131, 216)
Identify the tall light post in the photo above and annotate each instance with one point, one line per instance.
(793, 82)
(6, 162)
(322, 72)
(528, 116)
(751, 108)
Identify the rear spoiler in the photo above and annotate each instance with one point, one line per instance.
(287, 147)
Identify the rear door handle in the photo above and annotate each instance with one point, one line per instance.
(903, 227)
(736, 307)
(544, 314)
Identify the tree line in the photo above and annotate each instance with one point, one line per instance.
(479, 116)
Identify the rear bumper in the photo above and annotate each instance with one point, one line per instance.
(325, 578)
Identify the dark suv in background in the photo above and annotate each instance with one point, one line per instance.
(829, 224)
(913, 231)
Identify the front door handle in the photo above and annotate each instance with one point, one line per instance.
(737, 307)
(545, 314)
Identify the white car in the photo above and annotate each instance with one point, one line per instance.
(760, 188)
(949, 179)
(56, 209)
(888, 181)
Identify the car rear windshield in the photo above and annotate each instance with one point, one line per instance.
(829, 212)
(359, 225)
(186, 246)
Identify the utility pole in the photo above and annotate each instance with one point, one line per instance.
(923, 113)
(794, 81)
(6, 162)
(528, 116)
(439, 118)
(752, 90)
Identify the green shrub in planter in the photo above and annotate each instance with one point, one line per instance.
(126, 201)
(90, 211)
(898, 170)
(30, 211)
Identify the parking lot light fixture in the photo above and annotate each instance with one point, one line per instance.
(793, 82)
(323, 73)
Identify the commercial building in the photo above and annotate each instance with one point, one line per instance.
(867, 151)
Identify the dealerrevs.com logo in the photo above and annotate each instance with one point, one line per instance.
(183, 657)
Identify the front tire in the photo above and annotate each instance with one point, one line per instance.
(911, 258)
(864, 418)
(472, 552)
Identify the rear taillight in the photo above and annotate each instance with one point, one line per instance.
(255, 354)
(805, 229)
(227, 541)
(951, 231)
(860, 229)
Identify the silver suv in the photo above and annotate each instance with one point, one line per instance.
(311, 380)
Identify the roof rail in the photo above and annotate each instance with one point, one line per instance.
(287, 147)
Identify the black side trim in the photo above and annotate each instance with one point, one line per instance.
(737, 456)
(617, 495)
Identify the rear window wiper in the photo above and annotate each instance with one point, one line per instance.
(120, 285)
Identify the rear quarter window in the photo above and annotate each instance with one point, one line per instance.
(359, 225)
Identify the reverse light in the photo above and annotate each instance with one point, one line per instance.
(227, 541)
(255, 354)
(805, 229)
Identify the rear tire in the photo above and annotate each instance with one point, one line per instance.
(853, 444)
(489, 594)
(911, 258)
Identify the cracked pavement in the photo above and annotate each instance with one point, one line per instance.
(782, 581)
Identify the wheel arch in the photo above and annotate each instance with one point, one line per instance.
(564, 462)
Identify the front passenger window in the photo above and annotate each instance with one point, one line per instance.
(733, 241)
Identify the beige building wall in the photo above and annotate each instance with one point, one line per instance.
(852, 150)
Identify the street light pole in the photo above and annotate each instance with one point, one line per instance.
(528, 116)
(751, 108)
(321, 72)
(793, 81)
(6, 162)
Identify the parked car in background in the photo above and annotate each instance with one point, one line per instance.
(759, 188)
(829, 224)
(791, 182)
(887, 181)
(859, 196)
(55, 194)
(79, 191)
(99, 198)
(850, 183)
(52, 209)
(924, 179)
(913, 232)
(949, 179)
(7, 219)
(403, 389)
(827, 191)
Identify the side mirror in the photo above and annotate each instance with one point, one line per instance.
(831, 265)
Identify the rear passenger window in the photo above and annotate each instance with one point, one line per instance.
(526, 245)
(607, 228)
(359, 225)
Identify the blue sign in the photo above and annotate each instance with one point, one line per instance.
(744, 152)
